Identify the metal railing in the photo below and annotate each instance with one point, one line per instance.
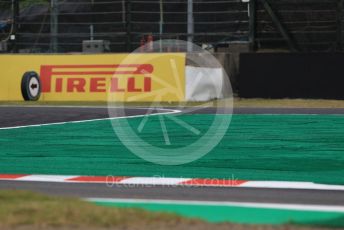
(61, 26)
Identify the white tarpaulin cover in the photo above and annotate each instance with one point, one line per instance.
(204, 84)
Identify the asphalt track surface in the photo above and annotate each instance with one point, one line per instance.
(11, 116)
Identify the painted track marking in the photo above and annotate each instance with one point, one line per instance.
(299, 207)
(167, 111)
(169, 181)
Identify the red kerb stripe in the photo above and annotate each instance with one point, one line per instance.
(11, 176)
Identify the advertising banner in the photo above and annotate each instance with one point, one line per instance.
(117, 77)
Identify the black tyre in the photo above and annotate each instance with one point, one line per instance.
(31, 86)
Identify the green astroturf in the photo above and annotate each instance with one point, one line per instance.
(244, 215)
(255, 147)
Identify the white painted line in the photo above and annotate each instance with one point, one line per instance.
(76, 106)
(296, 207)
(168, 111)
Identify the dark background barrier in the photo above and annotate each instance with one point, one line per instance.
(49, 26)
(292, 75)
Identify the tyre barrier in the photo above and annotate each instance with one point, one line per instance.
(31, 86)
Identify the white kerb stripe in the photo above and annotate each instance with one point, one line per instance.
(153, 181)
(291, 185)
(45, 178)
